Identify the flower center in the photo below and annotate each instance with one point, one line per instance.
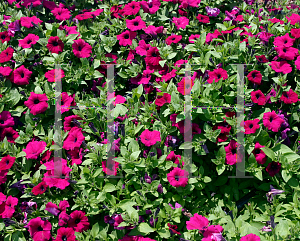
(219, 76)
(126, 36)
(257, 151)
(22, 75)
(77, 221)
(64, 238)
(42, 188)
(3, 36)
(233, 151)
(55, 43)
(271, 119)
(136, 23)
(284, 50)
(251, 126)
(285, 41)
(1, 122)
(79, 48)
(177, 178)
(257, 96)
(40, 228)
(285, 95)
(154, 55)
(75, 139)
(29, 41)
(7, 162)
(253, 75)
(36, 101)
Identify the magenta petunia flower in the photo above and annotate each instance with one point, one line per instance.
(178, 177)
(264, 36)
(7, 162)
(255, 77)
(81, 49)
(14, 27)
(21, 76)
(135, 24)
(258, 97)
(251, 126)
(37, 103)
(284, 41)
(28, 41)
(6, 119)
(203, 19)
(40, 188)
(153, 56)
(50, 75)
(65, 234)
(69, 122)
(69, 30)
(142, 48)
(216, 75)
(131, 8)
(194, 37)
(213, 232)
(163, 99)
(294, 18)
(197, 222)
(272, 121)
(173, 39)
(181, 22)
(260, 156)
(231, 152)
(52, 208)
(34, 149)
(110, 166)
(150, 6)
(250, 237)
(149, 138)
(146, 76)
(57, 174)
(295, 32)
(27, 21)
(74, 139)
(261, 58)
(126, 38)
(27, 3)
(79, 222)
(5, 71)
(55, 45)
(289, 97)
(288, 53)
(39, 229)
(61, 13)
(7, 209)
(4, 36)
(10, 134)
(152, 30)
(6, 55)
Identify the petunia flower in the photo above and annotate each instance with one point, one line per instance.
(110, 166)
(163, 99)
(181, 22)
(273, 192)
(55, 45)
(6, 119)
(10, 134)
(173, 39)
(39, 229)
(34, 149)
(74, 139)
(295, 32)
(81, 49)
(6, 55)
(27, 21)
(149, 138)
(214, 12)
(40, 188)
(294, 18)
(197, 222)
(231, 152)
(152, 30)
(4, 36)
(255, 77)
(251, 126)
(203, 19)
(150, 6)
(284, 41)
(50, 75)
(7, 162)
(27, 3)
(37, 103)
(131, 8)
(250, 237)
(65, 234)
(288, 53)
(259, 155)
(272, 121)
(126, 38)
(79, 222)
(61, 13)
(21, 76)
(289, 97)
(153, 56)
(258, 97)
(216, 75)
(135, 24)
(178, 177)
(28, 41)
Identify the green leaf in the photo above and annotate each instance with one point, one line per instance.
(134, 156)
(145, 228)
(95, 230)
(186, 145)
(286, 175)
(243, 46)
(38, 90)
(14, 97)
(268, 152)
(171, 56)
(282, 229)
(109, 187)
(162, 63)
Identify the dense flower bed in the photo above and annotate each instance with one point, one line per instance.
(146, 191)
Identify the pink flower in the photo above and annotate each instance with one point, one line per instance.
(50, 75)
(297, 63)
(216, 75)
(260, 156)
(273, 168)
(181, 22)
(135, 24)
(272, 121)
(185, 86)
(197, 222)
(61, 13)
(81, 49)
(251, 126)
(178, 177)
(27, 21)
(142, 48)
(288, 53)
(6, 119)
(294, 18)
(284, 41)
(131, 8)
(250, 237)
(173, 39)
(126, 38)
(149, 138)
(79, 222)
(231, 152)
(21, 76)
(37, 103)
(55, 45)
(28, 41)
(163, 99)
(74, 139)
(39, 229)
(34, 149)
(258, 97)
